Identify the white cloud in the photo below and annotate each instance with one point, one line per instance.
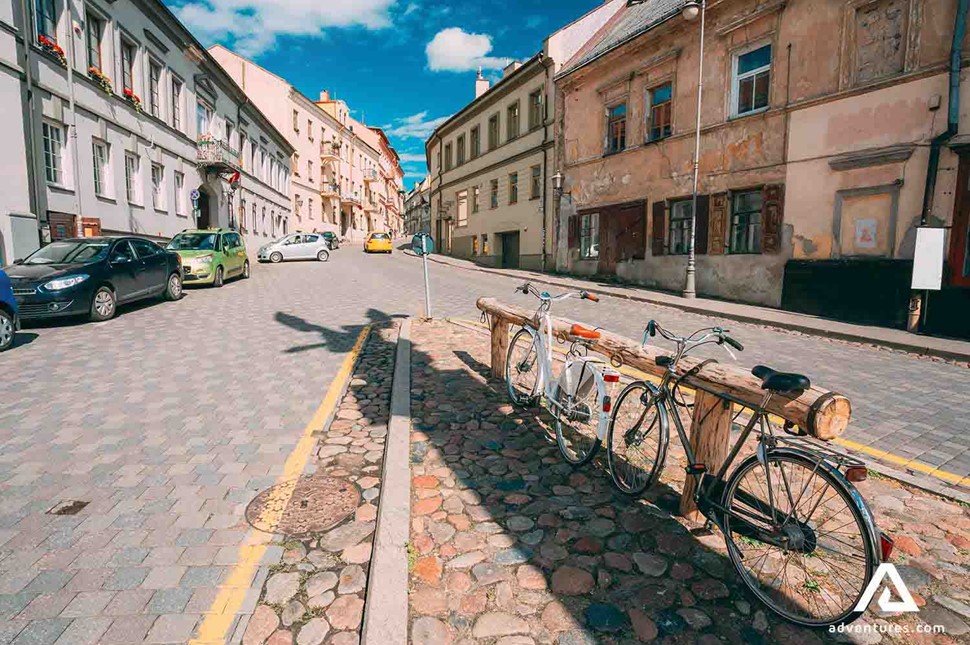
(416, 126)
(410, 157)
(455, 50)
(254, 25)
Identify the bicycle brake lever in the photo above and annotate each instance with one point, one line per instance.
(730, 353)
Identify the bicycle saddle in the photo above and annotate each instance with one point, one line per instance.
(780, 382)
(583, 332)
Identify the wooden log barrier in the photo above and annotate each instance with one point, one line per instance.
(819, 412)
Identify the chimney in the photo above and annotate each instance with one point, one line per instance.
(511, 67)
(324, 96)
(481, 84)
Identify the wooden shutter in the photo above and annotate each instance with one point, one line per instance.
(573, 231)
(657, 232)
(772, 217)
(717, 224)
(703, 219)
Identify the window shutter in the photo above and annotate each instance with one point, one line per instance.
(772, 217)
(703, 222)
(657, 232)
(718, 217)
(573, 232)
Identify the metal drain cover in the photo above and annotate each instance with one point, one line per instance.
(303, 506)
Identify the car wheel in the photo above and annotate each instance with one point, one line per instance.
(7, 331)
(173, 290)
(220, 278)
(245, 274)
(276, 257)
(103, 305)
(323, 256)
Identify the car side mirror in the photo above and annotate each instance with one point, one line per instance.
(120, 259)
(18, 261)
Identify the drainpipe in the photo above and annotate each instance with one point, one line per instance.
(75, 161)
(32, 176)
(545, 165)
(233, 223)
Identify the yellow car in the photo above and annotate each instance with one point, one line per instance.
(378, 243)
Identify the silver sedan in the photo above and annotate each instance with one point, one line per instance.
(296, 246)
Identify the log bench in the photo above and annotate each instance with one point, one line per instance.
(821, 413)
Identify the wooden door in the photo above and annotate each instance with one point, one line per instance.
(623, 235)
(63, 226)
(510, 250)
(959, 256)
(91, 227)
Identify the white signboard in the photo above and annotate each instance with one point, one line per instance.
(928, 258)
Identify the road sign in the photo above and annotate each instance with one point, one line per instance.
(195, 194)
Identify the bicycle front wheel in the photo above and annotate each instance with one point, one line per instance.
(636, 443)
(522, 369)
(821, 555)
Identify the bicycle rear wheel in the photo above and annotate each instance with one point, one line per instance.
(636, 443)
(522, 369)
(822, 554)
(576, 424)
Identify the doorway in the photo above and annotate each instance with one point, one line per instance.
(622, 235)
(204, 220)
(959, 256)
(510, 250)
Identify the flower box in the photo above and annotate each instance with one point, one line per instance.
(53, 49)
(103, 81)
(133, 99)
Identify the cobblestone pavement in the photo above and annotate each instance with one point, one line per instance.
(513, 546)
(316, 594)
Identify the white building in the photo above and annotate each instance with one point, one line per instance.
(129, 116)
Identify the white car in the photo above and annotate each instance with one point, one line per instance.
(296, 246)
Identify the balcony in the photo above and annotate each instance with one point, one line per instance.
(329, 151)
(347, 197)
(371, 206)
(217, 155)
(371, 176)
(330, 189)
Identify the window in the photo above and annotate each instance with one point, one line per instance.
(512, 121)
(461, 199)
(484, 243)
(616, 129)
(145, 249)
(158, 187)
(132, 179)
(230, 134)
(476, 141)
(589, 236)
(680, 221)
(878, 32)
(752, 76)
(203, 118)
(296, 121)
(47, 20)
(659, 102)
(177, 104)
(180, 194)
(475, 247)
(513, 188)
(309, 208)
(493, 132)
(127, 66)
(493, 194)
(154, 88)
(746, 221)
(535, 188)
(448, 164)
(309, 129)
(102, 168)
(535, 109)
(95, 33)
(460, 146)
(309, 170)
(54, 153)
(476, 191)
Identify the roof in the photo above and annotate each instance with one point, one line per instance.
(625, 26)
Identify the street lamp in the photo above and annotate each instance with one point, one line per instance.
(690, 12)
(557, 183)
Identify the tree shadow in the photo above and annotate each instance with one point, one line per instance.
(337, 340)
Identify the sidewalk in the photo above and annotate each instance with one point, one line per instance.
(955, 350)
(510, 545)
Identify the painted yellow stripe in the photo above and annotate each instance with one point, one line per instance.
(882, 455)
(232, 593)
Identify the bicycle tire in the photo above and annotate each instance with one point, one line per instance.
(867, 541)
(575, 458)
(661, 432)
(510, 364)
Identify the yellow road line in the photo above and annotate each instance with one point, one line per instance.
(882, 455)
(232, 593)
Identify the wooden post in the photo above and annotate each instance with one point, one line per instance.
(500, 346)
(710, 432)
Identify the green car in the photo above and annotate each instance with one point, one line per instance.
(211, 256)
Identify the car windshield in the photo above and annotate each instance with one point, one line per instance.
(379, 236)
(193, 242)
(68, 253)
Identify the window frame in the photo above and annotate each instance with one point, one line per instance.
(609, 149)
(133, 178)
(101, 169)
(460, 150)
(54, 160)
(159, 201)
(461, 197)
(475, 142)
(94, 20)
(536, 117)
(180, 193)
(513, 120)
(589, 235)
(734, 217)
(448, 157)
(652, 106)
(209, 113)
(128, 67)
(535, 183)
(736, 78)
(476, 196)
(682, 226)
(493, 194)
(177, 102)
(494, 141)
(513, 188)
(41, 17)
(155, 88)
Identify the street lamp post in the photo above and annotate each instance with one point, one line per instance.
(557, 184)
(690, 13)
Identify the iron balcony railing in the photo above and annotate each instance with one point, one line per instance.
(371, 175)
(212, 152)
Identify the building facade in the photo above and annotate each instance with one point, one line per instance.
(136, 129)
(417, 209)
(491, 164)
(814, 152)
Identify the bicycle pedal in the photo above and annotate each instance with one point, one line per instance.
(696, 469)
(702, 531)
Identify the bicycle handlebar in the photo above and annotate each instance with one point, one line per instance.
(686, 344)
(527, 288)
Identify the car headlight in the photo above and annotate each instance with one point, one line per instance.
(65, 283)
(204, 259)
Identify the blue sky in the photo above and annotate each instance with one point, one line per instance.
(401, 64)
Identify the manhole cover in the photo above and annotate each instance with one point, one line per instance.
(68, 507)
(303, 506)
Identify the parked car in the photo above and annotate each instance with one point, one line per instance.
(295, 246)
(92, 276)
(9, 321)
(210, 256)
(378, 243)
(333, 242)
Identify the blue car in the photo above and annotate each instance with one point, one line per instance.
(9, 322)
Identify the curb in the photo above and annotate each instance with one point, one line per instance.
(912, 347)
(386, 605)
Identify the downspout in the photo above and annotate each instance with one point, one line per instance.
(545, 167)
(953, 112)
(233, 224)
(29, 78)
(75, 161)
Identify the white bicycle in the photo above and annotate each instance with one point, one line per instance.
(578, 399)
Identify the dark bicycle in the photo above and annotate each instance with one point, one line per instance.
(797, 530)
